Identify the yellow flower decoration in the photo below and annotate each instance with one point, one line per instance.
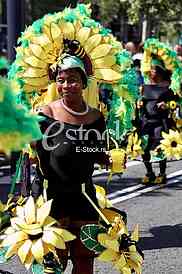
(33, 233)
(134, 148)
(172, 105)
(101, 197)
(171, 144)
(120, 248)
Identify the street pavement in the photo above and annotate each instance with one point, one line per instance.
(157, 210)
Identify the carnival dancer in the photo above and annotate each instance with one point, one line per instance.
(154, 116)
(155, 112)
(61, 60)
(74, 143)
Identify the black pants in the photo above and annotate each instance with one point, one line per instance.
(146, 159)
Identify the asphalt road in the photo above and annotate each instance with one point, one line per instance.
(157, 210)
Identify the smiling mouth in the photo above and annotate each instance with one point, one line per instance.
(67, 93)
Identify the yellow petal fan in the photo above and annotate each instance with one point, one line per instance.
(100, 51)
(47, 31)
(34, 72)
(43, 41)
(83, 35)
(20, 50)
(92, 42)
(105, 62)
(35, 62)
(52, 57)
(22, 64)
(105, 39)
(27, 52)
(117, 68)
(57, 35)
(91, 94)
(36, 82)
(68, 30)
(107, 75)
(95, 30)
(29, 88)
(114, 51)
(38, 51)
(51, 94)
(78, 25)
(48, 19)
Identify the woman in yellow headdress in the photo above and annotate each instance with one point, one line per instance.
(73, 142)
(60, 61)
(159, 66)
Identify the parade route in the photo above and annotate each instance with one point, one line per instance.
(156, 209)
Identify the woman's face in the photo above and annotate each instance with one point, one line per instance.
(157, 74)
(153, 73)
(69, 83)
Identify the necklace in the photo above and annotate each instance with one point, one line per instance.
(76, 113)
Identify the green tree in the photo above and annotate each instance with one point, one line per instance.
(166, 10)
(41, 7)
(162, 10)
(157, 13)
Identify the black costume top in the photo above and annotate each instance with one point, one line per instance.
(67, 158)
(154, 120)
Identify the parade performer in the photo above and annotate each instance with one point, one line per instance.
(61, 60)
(68, 161)
(162, 72)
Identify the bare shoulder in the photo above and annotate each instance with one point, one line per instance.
(51, 109)
(95, 113)
(47, 110)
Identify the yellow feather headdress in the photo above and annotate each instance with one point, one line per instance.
(43, 43)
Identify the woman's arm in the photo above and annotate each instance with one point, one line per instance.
(102, 157)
